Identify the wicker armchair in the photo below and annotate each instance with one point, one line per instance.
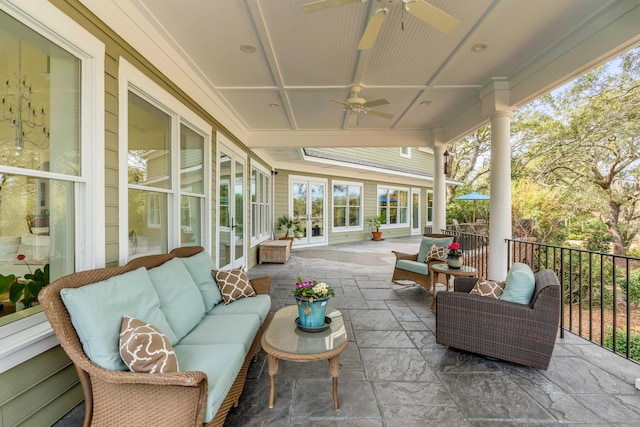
(523, 334)
(137, 399)
(422, 279)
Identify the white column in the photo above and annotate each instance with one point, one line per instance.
(500, 192)
(439, 190)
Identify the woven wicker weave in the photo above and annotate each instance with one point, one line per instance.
(524, 334)
(420, 279)
(115, 398)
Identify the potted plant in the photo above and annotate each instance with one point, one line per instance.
(454, 257)
(375, 222)
(291, 227)
(26, 289)
(312, 299)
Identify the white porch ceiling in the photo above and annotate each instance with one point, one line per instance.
(304, 60)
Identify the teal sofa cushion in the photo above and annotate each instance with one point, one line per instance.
(200, 267)
(224, 329)
(413, 266)
(520, 284)
(180, 297)
(220, 362)
(427, 242)
(258, 304)
(96, 313)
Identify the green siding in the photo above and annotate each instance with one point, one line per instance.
(39, 391)
(420, 161)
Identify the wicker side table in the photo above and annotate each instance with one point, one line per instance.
(284, 341)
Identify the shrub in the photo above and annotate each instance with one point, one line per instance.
(634, 287)
(621, 342)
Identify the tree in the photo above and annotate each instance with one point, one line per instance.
(588, 137)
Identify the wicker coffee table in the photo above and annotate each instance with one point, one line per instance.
(284, 341)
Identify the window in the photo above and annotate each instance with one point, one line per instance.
(429, 207)
(405, 152)
(41, 174)
(347, 206)
(165, 148)
(260, 204)
(393, 204)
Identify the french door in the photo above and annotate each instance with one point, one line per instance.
(231, 248)
(308, 204)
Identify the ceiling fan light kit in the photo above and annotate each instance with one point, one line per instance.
(356, 105)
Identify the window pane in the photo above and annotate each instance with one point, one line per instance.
(354, 216)
(339, 216)
(149, 155)
(39, 124)
(190, 220)
(191, 161)
(147, 223)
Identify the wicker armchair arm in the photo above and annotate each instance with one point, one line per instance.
(464, 284)
(261, 285)
(400, 255)
(183, 379)
(484, 306)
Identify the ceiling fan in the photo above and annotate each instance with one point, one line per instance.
(421, 9)
(356, 105)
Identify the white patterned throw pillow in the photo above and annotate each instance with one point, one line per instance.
(234, 284)
(436, 253)
(143, 348)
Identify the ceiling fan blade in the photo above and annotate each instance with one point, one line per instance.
(381, 114)
(340, 102)
(316, 6)
(373, 29)
(431, 15)
(375, 103)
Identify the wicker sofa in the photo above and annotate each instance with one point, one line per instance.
(213, 356)
(519, 333)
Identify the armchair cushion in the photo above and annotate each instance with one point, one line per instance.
(413, 266)
(259, 304)
(224, 329)
(182, 305)
(200, 266)
(97, 316)
(520, 284)
(144, 348)
(428, 242)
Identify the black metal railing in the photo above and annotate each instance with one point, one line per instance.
(475, 248)
(601, 292)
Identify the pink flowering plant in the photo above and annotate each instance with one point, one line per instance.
(310, 289)
(27, 288)
(454, 249)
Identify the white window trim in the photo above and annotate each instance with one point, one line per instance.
(391, 187)
(257, 166)
(346, 228)
(407, 154)
(26, 338)
(132, 79)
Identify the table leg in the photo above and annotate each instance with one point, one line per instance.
(334, 369)
(273, 370)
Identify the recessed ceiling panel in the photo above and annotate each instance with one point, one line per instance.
(440, 105)
(314, 49)
(211, 34)
(515, 37)
(260, 109)
(314, 110)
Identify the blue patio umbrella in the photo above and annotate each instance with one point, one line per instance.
(473, 197)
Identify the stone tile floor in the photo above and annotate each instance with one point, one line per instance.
(393, 373)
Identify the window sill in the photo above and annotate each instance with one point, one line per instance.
(33, 335)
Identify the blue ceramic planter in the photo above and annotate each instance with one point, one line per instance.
(312, 313)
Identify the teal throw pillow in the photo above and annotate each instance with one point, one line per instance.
(200, 267)
(96, 313)
(521, 284)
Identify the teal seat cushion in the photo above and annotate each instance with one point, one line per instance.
(521, 284)
(220, 362)
(180, 298)
(258, 304)
(413, 266)
(224, 329)
(200, 267)
(96, 313)
(427, 242)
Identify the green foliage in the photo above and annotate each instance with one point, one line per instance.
(597, 236)
(621, 342)
(26, 290)
(634, 287)
(376, 221)
(290, 226)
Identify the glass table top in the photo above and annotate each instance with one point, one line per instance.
(444, 268)
(284, 335)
